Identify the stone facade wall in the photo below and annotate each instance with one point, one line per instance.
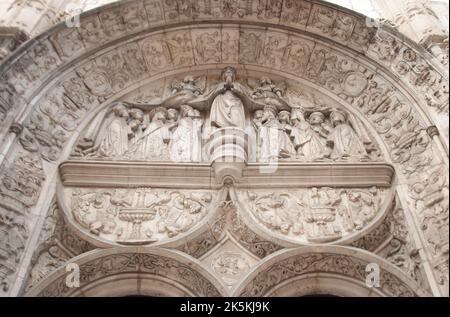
(233, 146)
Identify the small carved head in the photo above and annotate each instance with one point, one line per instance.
(316, 117)
(284, 116)
(337, 116)
(186, 111)
(120, 110)
(137, 114)
(297, 113)
(228, 72)
(258, 114)
(189, 79)
(265, 81)
(196, 113)
(159, 114)
(172, 114)
(270, 111)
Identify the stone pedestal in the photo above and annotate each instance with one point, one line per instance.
(228, 151)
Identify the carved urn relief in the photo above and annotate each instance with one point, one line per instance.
(152, 168)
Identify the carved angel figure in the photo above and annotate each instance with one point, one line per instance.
(185, 145)
(182, 216)
(188, 84)
(267, 89)
(364, 206)
(308, 144)
(183, 92)
(343, 139)
(92, 211)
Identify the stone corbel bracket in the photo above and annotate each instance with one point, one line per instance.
(202, 176)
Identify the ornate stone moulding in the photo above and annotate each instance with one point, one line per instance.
(133, 270)
(196, 175)
(340, 269)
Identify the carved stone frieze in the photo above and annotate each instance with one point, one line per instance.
(250, 240)
(201, 244)
(401, 250)
(372, 240)
(228, 221)
(59, 113)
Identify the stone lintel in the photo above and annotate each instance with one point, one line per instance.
(198, 175)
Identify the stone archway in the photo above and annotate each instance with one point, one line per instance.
(329, 270)
(133, 271)
(55, 85)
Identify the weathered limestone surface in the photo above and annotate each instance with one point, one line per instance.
(273, 134)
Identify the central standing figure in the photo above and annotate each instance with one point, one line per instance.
(227, 109)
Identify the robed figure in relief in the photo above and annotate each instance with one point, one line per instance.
(343, 138)
(185, 145)
(227, 109)
(113, 138)
(309, 146)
